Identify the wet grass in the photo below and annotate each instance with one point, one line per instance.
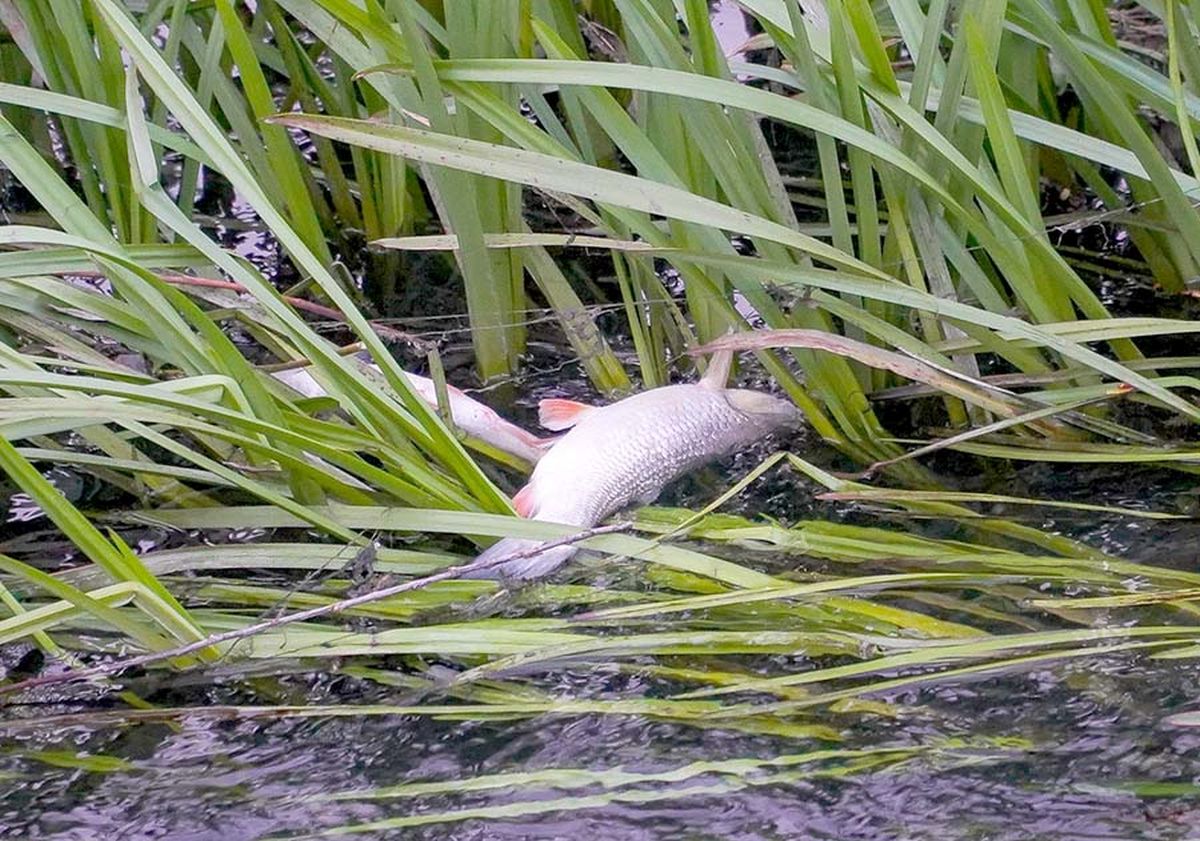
(136, 349)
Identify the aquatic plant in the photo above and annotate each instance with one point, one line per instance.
(912, 260)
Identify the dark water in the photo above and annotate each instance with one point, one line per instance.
(1079, 750)
(1076, 750)
(1066, 748)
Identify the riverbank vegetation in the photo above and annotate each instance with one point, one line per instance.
(966, 233)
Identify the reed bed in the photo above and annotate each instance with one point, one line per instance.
(912, 258)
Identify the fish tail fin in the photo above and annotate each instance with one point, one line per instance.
(524, 568)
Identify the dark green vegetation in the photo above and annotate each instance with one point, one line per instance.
(882, 178)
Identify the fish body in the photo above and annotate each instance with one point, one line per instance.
(627, 453)
(469, 415)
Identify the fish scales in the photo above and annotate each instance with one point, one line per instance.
(628, 452)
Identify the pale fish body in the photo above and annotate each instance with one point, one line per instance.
(471, 416)
(627, 453)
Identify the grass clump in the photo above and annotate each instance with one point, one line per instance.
(914, 259)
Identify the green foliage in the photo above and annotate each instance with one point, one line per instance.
(912, 250)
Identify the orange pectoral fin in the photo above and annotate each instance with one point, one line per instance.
(524, 501)
(556, 413)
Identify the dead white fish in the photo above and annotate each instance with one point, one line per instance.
(471, 416)
(628, 452)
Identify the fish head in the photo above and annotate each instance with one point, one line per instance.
(765, 410)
